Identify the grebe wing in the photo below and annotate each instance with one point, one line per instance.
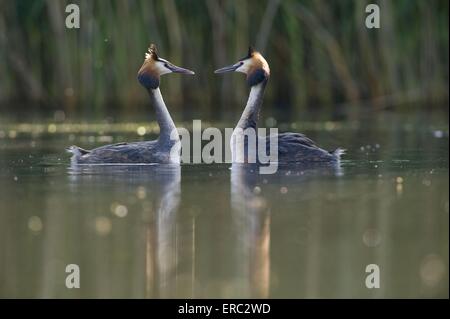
(296, 147)
(295, 138)
(136, 152)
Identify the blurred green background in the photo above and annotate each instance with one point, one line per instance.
(205, 230)
(323, 59)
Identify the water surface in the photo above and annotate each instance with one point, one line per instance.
(208, 231)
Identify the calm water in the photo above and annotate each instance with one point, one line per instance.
(208, 231)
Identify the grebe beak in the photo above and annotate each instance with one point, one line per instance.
(230, 68)
(177, 69)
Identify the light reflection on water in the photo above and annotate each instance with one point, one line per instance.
(210, 231)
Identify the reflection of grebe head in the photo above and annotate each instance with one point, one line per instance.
(154, 67)
(253, 65)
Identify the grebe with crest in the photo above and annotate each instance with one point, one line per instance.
(292, 147)
(165, 149)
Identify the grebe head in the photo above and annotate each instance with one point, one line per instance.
(253, 65)
(154, 67)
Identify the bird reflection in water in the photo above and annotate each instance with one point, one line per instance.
(158, 232)
(252, 218)
(156, 251)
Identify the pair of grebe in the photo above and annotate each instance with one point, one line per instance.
(292, 147)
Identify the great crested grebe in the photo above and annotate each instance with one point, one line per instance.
(166, 149)
(292, 147)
